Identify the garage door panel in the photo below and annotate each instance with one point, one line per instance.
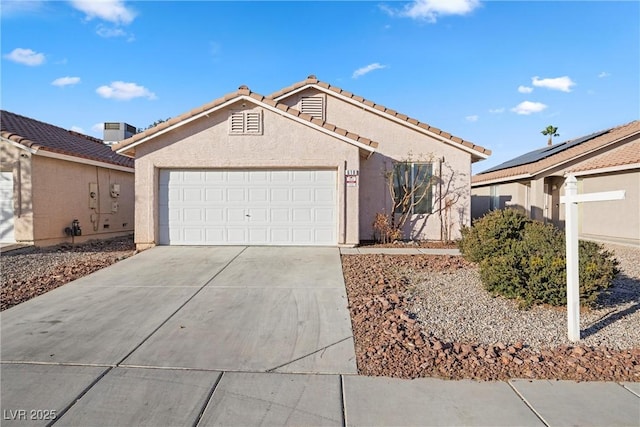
(236, 215)
(302, 215)
(237, 235)
(280, 216)
(258, 195)
(302, 195)
(192, 215)
(325, 216)
(235, 195)
(214, 215)
(296, 207)
(280, 195)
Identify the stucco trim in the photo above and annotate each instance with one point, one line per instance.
(59, 156)
(609, 169)
(127, 149)
(501, 180)
(386, 115)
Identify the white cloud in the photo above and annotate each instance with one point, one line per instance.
(563, 83)
(527, 107)
(603, 74)
(496, 110)
(124, 91)
(108, 32)
(66, 81)
(525, 89)
(430, 10)
(369, 68)
(472, 118)
(25, 56)
(114, 11)
(77, 129)
(98, 127)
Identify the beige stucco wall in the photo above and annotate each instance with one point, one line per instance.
(400, 143)
(206, 143)
(617, 220)
(19, 163)
(49, 193)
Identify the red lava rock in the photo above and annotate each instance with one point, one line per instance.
(89, 257)
(390, 342)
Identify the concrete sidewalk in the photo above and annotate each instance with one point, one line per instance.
(398, 251)
(36, 394)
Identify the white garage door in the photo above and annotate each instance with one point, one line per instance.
(6, 207)
(256, 207)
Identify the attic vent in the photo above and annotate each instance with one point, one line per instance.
(313, 106)
(245, 122)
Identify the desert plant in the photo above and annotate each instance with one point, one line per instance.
(524, 260)
(383, 231)
(490, 233)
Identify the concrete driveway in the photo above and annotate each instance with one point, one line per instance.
(257, 309)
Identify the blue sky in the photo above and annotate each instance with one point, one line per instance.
(495, 72)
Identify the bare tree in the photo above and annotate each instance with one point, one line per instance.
(410, 185)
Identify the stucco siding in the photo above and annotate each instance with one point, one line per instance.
(60, 194)
(618, 219)
(206, 143)
(398, 142)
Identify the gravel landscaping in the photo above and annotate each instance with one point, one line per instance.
(419, 315)
(32, 271)
(422, 315)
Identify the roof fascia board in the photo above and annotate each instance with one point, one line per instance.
(501, 180)
(20, 146)
(82, 160)
(181, 123)
(609, 169)
(263, 105)
(386, 115)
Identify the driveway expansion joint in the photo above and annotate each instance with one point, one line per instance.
(181, 307)
(529, 405)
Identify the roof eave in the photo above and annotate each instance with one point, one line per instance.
(500, 180)
(475, 154)
(129, 149)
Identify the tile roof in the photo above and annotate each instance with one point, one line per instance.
(44, 136)
(313, 81)
(627, 154)
(242, 91)
(572, 151)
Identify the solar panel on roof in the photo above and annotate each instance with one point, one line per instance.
(543, 153)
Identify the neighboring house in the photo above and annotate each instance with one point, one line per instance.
(304, 166)
(603, 161)
(51, 176)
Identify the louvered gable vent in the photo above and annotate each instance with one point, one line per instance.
(237, 122)
(245, 122)
(313, 106)
(252, 122)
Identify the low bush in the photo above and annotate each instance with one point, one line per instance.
(525, 260)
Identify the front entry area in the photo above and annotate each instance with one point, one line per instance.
(248, 207)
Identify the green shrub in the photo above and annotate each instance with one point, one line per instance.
(525, 260)
(488, 235)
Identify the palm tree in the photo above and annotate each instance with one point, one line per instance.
(551, 131)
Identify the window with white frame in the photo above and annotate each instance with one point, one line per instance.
(494, 197)
(313, 106)
(413, 187)
(245, 123)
